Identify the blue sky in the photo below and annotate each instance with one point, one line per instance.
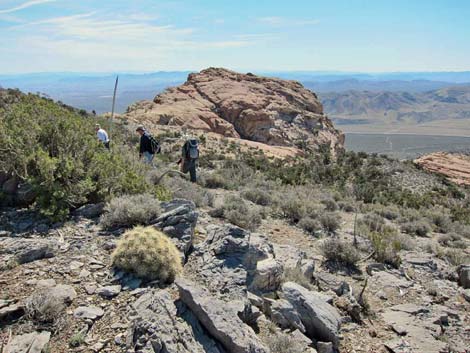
(145, 35)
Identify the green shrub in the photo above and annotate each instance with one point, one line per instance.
(330, 221)
(386, 246)
(339, 251)
(419, 228)
(130, 210)
(372, 222)
(452, 240)
(148, 253)
(54, 148)
(238, 212)
(389, 212)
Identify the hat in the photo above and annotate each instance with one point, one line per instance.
(140, 128)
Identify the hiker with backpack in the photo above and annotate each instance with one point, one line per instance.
(189, 157)
(102, 135)
(149, 146)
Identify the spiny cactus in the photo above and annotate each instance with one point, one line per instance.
(148, 253)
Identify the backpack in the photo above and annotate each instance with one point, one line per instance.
(155, 146)
(192, 149)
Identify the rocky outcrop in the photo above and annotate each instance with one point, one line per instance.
(321, 320)
(268, 110)
(454, 166)
(23, 250)
(221, 320)
(226, 262)
(178, 221)
(34, 342)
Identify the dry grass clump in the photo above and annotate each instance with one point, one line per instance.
(455, 257)
(441, 220)
(346, 206)
(389, 212)
(296, 275)
(330, 222)
(330, 205)
(148, 253)
(371, 222)
(130, 210)
(43, 308)
(339, 251)
(386, 246)
(295, 203)
(452, 240)
(283, 343)
(310, 225)
(213, 181)
(240, 213)
(258, 196)
(184, 189)
(420, 228)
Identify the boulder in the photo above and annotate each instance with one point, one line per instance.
(158, 327)
(91, 211)
(11, 312)
(219, 319)
(88, 312)
(34, 342)
(63, 292)
(25, 195)
(226, 261)
(267, 276)
(24, 250)
(178, 221)
(10, 185)
(109, 291)
(464, 276)
(321, 320)
(285, 315)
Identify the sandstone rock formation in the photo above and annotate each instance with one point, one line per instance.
(454, 166)
(268, 110)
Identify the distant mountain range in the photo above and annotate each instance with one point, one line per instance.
(358, 102)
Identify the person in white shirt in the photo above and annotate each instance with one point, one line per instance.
(102, 136)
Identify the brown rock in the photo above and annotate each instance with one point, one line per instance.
(454, 166)
(267, 110)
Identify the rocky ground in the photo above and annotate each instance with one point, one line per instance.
(232, 296)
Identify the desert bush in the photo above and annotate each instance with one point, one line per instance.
(43, 308)
(130, 210)
(386, 246)
(295, 203)
(371, 222)
(184, 189)
(346, 206)
(148, 253)
(330, 221)
(283, 343)
(420, 228)
(214, 181)
(258, 196)
(238, 212)
(330, 205)
(441, 220)
(310, 225)
(452, 240)
(389, 212)
(336, 250)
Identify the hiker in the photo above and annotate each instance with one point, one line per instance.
(189, 157)
(149, 146)
(102, 136)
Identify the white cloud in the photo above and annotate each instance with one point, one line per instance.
(25, 5)
(282, 21)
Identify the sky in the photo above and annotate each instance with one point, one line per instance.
(258, 35)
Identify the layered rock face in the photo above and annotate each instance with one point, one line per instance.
(268, 110)
(454, 166)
